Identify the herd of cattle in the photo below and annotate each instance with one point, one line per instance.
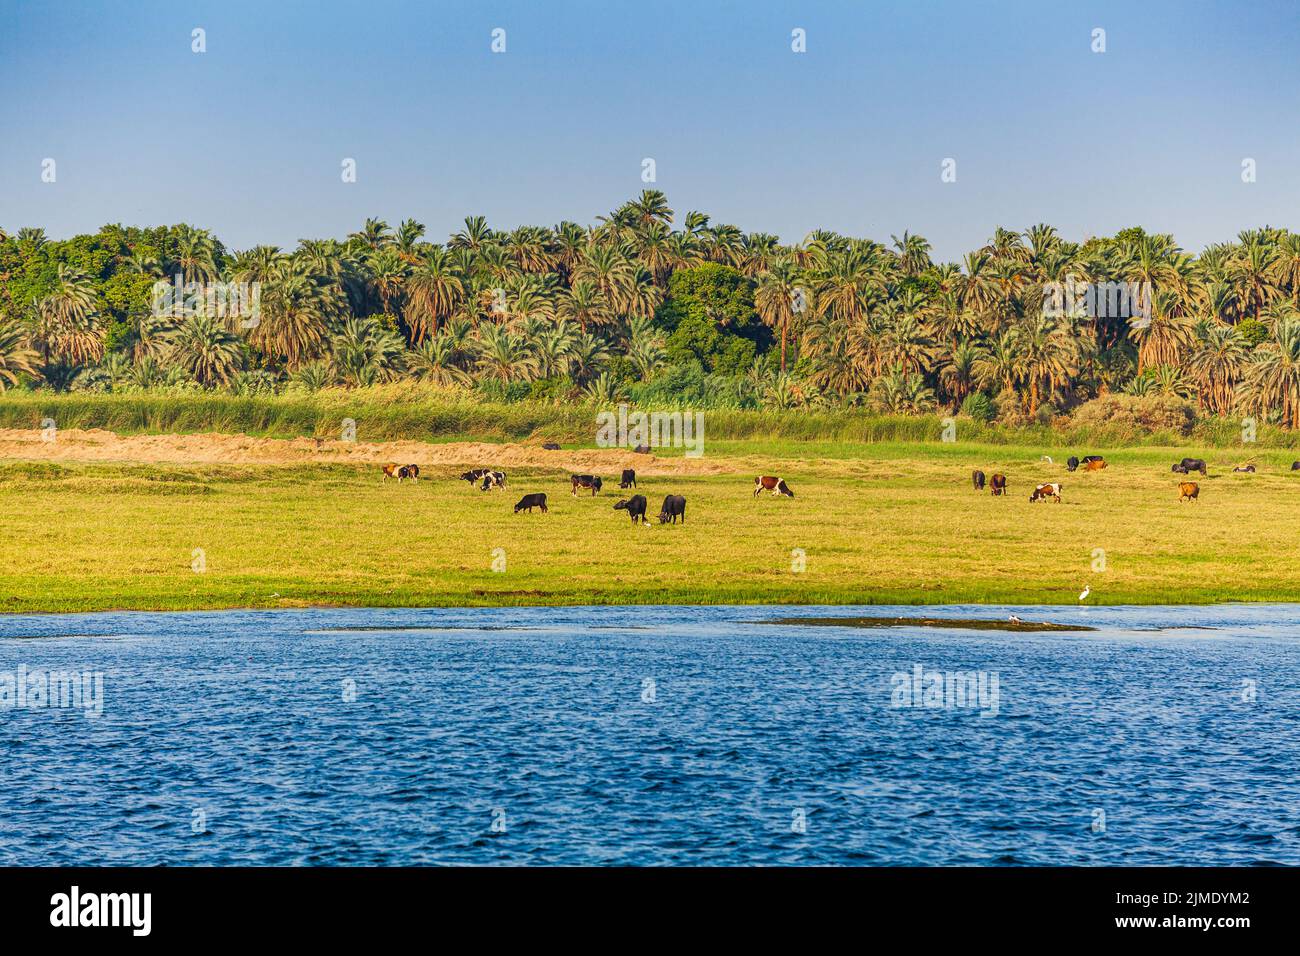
(1187, 490)
(674, 506)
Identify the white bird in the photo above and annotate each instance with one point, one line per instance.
(1014, 619)
(1048, 459)
(1087, 589)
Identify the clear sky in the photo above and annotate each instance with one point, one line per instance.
(247, 139)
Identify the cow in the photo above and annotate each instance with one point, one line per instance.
(1071, 463)
(1095, 463)
(493, 479)
(977, 479)
(674, 506)
(1295, 466)
(998, 485)
(634, 506)
(1087, 458)
(775, 485)
(1188, 491)
(1190, 465)
(551, 446)
(408, 471)
(475, 475)
(628, 480)
(1049, 490)
(641, 450)
(585, 481)
(1245, 469)
(529, 502)
(390, 470)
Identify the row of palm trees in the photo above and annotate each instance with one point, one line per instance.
(854, 321)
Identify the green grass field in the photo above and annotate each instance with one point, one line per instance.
(876, 524)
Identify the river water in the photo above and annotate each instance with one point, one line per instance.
(650, 735)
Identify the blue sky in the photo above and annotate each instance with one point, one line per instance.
(247, 138)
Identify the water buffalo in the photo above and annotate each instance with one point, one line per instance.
(634, 506)
(1071, 463)
(551, 446)
(529, 502)
(628, 480)
(674, 507)
(1189, 465)
(1295, 466)
(977, 479)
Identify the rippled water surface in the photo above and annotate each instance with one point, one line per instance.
(652, 736)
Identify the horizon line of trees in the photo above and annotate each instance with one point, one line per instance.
(636, 309)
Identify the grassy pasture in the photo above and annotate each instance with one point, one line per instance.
(888, 523)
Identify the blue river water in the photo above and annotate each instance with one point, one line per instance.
(650, 735)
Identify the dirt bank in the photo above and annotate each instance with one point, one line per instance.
(211, 448)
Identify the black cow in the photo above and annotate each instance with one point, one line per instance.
(586, 481)
(1188, 465)
(998, 485)
(1248, 469)
(634, 506)
(493, 479)
(551, 446)
(674, 507)
(529, 502)
(641, 450)
(628, 480)
(1295, 466)
(1071, 463)
(977, 479)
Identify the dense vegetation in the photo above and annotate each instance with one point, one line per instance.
(703, 315)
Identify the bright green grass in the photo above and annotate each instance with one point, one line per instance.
(887, 524)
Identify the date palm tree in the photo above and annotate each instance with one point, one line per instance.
(433, 292)
(17, 357)
(780, 298)
(207, 351)
(1273, 377)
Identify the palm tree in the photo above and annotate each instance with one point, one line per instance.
(366, 353)
(503, 356)
(781, 296)
(205, 349)
(17, 357)
(433, 292)
(295, 317)
(69, 328)
(1273, 377)
(1217, 365)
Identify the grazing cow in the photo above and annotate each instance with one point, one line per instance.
(641, 450)
(390, 470)
(1096, 463)
(1188, 491)
(628, 480)
(775, 485)
(1071, 463)
(475, 475)
(1087, 458)
(1247, 469)
(529, 502)
(674, 507)
(551, 446)
(1043, 492)
(1189, 465)
(977, 479)
(493, 479)
(634, 506)
(998, 485)
(1295, 466)
(586, 481)
(408, 471)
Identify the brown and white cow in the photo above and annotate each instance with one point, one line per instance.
(998, 484)
(1049, 490)
(408, 471)
(775, 485)
(1188, 491)
(390, 470)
